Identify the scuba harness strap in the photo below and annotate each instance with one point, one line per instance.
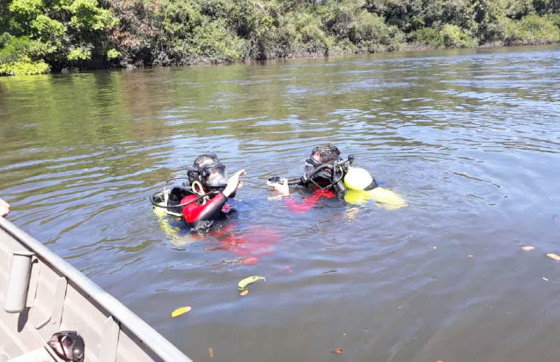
(332, 173)
(170, 199)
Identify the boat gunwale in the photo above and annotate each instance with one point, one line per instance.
(133, 323)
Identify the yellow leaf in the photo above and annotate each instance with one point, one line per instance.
(528, 248)
(211, 352)
(244, 292)
(553, 256)
(177, 312)
(253, 278)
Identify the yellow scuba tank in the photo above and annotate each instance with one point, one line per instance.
(386, 198)
(358, 179)
(166, 223)
(159, 201)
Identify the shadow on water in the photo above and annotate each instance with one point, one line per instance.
(468, 137)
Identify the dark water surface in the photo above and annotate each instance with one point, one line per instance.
(471, 139)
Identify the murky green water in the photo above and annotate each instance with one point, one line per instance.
(471, 139)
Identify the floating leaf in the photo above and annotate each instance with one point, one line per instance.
(244, 292)
(177, 312)
(211, 352)
(253, 278)
(337, 351)
(528, 248)
(553, 256)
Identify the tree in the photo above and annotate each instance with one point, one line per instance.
(60, 33)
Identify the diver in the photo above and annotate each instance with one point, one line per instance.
(329, 176)
(201, 200)
(324, 173)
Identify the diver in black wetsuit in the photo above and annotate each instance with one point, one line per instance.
(324, 172)
(204, 199)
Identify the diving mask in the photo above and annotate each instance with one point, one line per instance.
(214, 176)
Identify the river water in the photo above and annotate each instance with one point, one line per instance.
(470, 139)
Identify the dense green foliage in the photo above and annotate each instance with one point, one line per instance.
(40, 34)
(51, 35)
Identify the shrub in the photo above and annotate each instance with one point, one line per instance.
(135, 38)
(342, 46)
(531, 29)
(113, 54)
(314, 40)
(212, 42)
(288, 42)
(219, 9)
(554, 19)
(78, 54)
(25, 66)
(259, 27)
(188, 36)
(454, 37)
(370, 33)
(68, 32)
(13, 49)
(428, 36)
(345, 15)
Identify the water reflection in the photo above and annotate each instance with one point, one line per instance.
(469, 138)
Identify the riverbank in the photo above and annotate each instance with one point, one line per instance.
(42, 38)
(409, 48)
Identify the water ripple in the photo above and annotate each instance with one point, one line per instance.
(468, 137)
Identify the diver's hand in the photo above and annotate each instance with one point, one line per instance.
(281, 186)
(4, 208)
(233, 183)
